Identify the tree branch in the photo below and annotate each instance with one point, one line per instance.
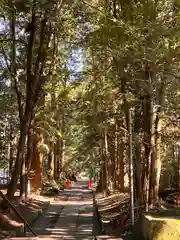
(30, 49)
(14, 77)
(41, 79)
(11, 40)
(53, 53)
(42, 38)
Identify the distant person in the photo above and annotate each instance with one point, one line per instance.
(73, 177)
(90, 183)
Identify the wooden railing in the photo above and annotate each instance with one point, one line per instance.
(26, 225)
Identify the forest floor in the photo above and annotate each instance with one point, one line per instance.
(31, 210)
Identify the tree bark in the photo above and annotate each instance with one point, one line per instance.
(60, 147)
(138, 154)
(20, 155)
(112, 155)
(55, 161)
(36, 164)
(106, 159)
(51, 160)
(178, 169)
(12, 153)
(103, 174)
(29, 155)
(156, 153)
(23, 181)
(58, 158)
(37, 145)
(115, 177)
(121, 155)
(147, 146)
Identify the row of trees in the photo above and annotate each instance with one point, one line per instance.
(77, 114)
(133, 53)
(36, 43)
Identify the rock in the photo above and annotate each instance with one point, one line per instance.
(159, 228)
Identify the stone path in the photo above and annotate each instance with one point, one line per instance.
(71, 219)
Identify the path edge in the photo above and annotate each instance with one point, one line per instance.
(103, 231)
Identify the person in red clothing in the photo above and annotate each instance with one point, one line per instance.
(90, 183)
(68, 183)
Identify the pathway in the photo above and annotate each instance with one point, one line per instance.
(71, 219)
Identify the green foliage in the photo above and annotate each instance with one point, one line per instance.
(116, 43)
(118, 47)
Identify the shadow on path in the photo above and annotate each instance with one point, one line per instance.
(72, 219)
(78, 219)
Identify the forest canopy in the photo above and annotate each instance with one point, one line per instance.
(69, 73)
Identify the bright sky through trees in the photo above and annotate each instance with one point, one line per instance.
(75, 63)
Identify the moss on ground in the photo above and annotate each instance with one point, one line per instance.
(160, 228)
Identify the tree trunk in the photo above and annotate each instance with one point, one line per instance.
(116, 157)
(138, 154)
(60, 148)
(106, 159)
(178, 169)
(12, 154)
(51, 160)
(26, 163)
(101, 180)
(156, 154)
(58, 158)
(157, 168)
(62, 154)
(23, 181)
(147, 146)
(20, 155)
(156, 160)
(121, 166)
(37, 154)
(121, 155)
(55, 162)
(103, 174)
(112, 160)
(29, 155)
(36, 164)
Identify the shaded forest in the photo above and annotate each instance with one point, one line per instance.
(87, 86)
